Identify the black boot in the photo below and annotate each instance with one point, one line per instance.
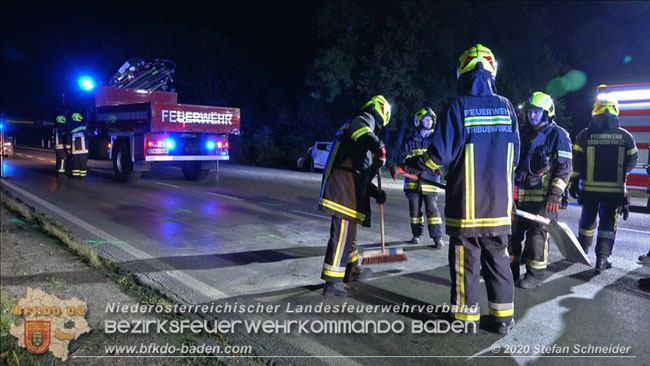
(437, 243)
(356, 273)
(416, 239)
(603, 263)
(501, 327)
(338, 289)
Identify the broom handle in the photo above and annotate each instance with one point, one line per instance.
(381, 214)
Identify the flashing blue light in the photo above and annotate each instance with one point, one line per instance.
(86, 83)
(170, 144)
(210, 145)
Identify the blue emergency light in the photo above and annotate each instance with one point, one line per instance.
(170, 144)
(210, 145)
(86, 83)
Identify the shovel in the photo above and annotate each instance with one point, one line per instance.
(562, 235)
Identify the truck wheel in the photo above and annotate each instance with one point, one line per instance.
(192, 171)
(123, 166)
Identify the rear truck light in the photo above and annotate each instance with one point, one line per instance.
(220, 145)
(170, 144)
(109, 145)
(210, 145)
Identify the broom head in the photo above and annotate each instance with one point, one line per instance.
(386, 256)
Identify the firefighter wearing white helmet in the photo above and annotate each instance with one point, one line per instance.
(477, 141)
(541, 179)
(421, 193)
(603, 156)
(354, 160)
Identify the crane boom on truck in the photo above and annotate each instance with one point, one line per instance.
(140, 128)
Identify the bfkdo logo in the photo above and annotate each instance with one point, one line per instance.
(37, 335)
(50, 323)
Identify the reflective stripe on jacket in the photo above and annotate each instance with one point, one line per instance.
(417, 145)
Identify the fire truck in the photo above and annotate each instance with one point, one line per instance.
(141, 126)
(634, 102)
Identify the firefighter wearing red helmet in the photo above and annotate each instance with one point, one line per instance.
(477, 141)
(354, 160)
(541, 179)
(421, 193)
(603, 155)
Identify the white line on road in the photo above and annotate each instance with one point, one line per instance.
(166, 184)
(225, 196)
(40, 158)
(209, 292)
(310, 214)
(29, 156)
(634, 231)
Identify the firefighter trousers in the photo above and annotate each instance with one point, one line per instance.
(607, 209)
(342, 250)
(535, 253)
(61, 157)
(466, 257)
(79, 165)
(434, 221)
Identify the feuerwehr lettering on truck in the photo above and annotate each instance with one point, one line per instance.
(180, 116)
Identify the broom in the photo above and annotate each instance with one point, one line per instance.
(383, 256)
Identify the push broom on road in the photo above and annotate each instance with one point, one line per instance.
(385, 255)
(562, 235)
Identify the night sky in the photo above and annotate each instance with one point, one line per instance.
(46, 45)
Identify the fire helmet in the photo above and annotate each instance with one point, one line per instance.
(602, 105)
(422, 113)
(380, 105)
(77, 117)
(60, 119)
(475, 55)
(543, 101)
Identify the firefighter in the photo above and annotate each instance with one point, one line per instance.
(61, 147)
(417, 192)
(354, 160)
(477, 141)
(541, 181)
(77, 138)
(603, 156)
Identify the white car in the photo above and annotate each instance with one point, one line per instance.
(8, 147)
(318, 154)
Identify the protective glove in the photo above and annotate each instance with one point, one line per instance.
(379, 158)
(624, 207)
(539, 163)
(374, 192)
(574, 188)
(553, 203)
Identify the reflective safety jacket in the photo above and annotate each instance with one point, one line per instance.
(77, 138)
(477, 140)
(59, 133)
(554, 142)
(417, 145)
(602, 158)
(348, 174)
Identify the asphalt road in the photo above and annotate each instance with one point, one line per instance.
(255, 236)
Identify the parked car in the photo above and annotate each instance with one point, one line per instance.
(7, 149)
(317, 156)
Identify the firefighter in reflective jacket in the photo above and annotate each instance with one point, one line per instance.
(477, 140)
(354, 159)
(61, 146)
(603, 156)
(417, 192)
(77, 138)
(541, 179)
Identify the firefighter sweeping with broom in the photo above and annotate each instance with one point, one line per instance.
(355, 158)
(477, 140)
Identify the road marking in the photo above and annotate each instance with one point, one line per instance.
(207, 291)
(166, 184)
(634, 231)
(19, 153)
(224, 196)
(310, 214)
(29, 156)
(40, 158)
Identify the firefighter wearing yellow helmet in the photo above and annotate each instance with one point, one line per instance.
(603, 156)
(541, 180)
(78, 137)
(421, 193)
(60, 145)
(477, 141)
(354, 160)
